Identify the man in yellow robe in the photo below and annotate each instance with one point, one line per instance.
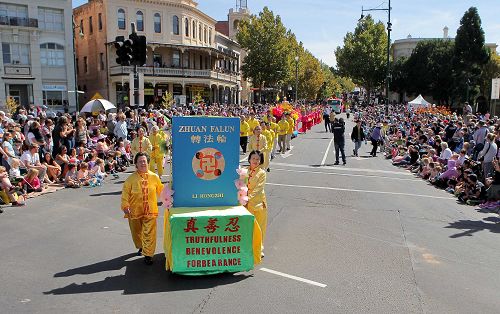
(244, 131)
(259, 142)
(139, 203)
(283, 129)
(157, 155)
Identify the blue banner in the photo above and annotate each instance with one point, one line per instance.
(205, 156)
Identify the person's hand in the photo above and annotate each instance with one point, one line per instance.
(126, 211)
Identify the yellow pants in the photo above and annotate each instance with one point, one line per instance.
(159, 164)
(267, 158)
(143, 232)
(261, 217)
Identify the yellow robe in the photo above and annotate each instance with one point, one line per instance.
(257, 203)
(244, 129)
(269, 138)
(142, 222)
(252, 123)
(156, 152)
(139, 146)
(283, 127)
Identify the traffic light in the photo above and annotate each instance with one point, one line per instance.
(139, 49)
(124, 51)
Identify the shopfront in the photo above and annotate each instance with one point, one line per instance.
(54, 96)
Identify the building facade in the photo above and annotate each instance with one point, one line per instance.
(37, 64)
(183, 55)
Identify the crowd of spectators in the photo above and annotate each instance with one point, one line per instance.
(459, 153)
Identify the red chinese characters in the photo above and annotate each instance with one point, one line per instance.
(191, 226)
(233, 226)
(211, 227)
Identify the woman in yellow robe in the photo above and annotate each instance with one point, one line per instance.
(141, 143)
(257, 203)
(259, 142)
(139, 203)
(157, 155)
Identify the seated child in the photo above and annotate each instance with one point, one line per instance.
(8, 188)
(83, 174)
(31, 183)
(71, 180)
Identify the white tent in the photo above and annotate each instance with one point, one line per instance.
(419, 102)
(97, 105)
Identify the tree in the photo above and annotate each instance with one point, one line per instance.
(363, 56)
(264, 38)
(167, 100)
(490, 71)
(470, 54)
(11, 105)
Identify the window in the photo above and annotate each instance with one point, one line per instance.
(186, 30)
(176, 59)
(205, 35)
(50, 19)
(77, 68)
(13, 10)
(52, 54)
(175, 26)
(16, 53)
(186, 60)
(101, 60)
(85, 65)
(199, 33)
(139, 21)
(54, 98)
(99, 21)
(201, 62)
(81, 27)
(121, 19)
(157, 23)
(210, 36)
(194, 30)
(91, 27)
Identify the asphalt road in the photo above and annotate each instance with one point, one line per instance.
(369, 237)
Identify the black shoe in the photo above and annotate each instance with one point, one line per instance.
(139, 253)
(1, 211)
(344, 163)
(268, 170)
(336, 163)
(148, 260)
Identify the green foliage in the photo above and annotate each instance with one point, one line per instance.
(363, 56)
(265, 39)
(167, 100)
(490, 71)
(11, 105)
(470, 54)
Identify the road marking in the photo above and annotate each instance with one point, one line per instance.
(244, 159)
(288, 153)
(342, 169)
(326, 153)
(354, 190)
(347, 175)
(274, 272)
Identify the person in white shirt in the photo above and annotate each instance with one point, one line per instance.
(120, 130)
(446, 153)
(30, 159)
(487, 155)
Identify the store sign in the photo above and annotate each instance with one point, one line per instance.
(495, 88)
(149, 92)
(61, 88)
(204, 161)
(211, 240)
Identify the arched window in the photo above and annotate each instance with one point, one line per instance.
(121, 19)
(157, 23)
(194, 30)
(139, 21)
(175, 25)
(52, 55)
(186, 30)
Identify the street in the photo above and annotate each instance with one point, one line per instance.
(365, 237)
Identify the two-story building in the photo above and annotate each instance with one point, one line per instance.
(37, 64)
(183, 56)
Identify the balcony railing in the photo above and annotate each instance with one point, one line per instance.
(18, 21)
(176, 72)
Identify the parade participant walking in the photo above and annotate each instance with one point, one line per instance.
(282, 130)
(376, 137)
(139, 203)
(244, 130)
(157, 155)
(257, 204)
(259, 142)
(141, 143)
(326, 118)
(357, 136)
(291, 128)
(338, 139)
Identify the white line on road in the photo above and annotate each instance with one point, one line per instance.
(354, 190)
(274, 272)
(326, 153)
(342, 169)
(347, 174)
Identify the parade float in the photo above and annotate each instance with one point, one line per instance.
(207, 229)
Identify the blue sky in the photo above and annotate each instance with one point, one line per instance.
(322, 24)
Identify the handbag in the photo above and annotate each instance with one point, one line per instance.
(481, 159)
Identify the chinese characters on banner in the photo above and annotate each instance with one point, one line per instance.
(212, 241)
(205, 155)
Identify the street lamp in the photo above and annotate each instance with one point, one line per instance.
(76, 91)
(389, 29)
(296, 76)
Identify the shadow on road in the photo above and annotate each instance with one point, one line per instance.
(107, 193)
(470, 227)
(139, 278)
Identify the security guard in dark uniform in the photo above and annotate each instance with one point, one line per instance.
(338, 129)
